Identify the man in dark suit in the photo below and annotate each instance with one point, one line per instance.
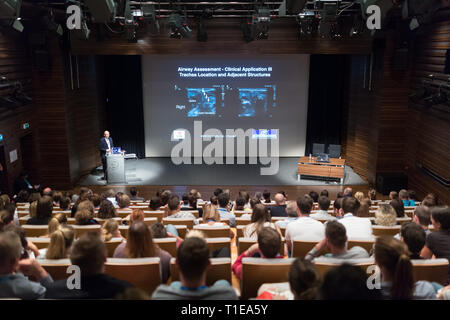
(106, 145)
(280, 209)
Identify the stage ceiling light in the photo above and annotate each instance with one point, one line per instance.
(10, 14)
(178, 26)
(102, 11)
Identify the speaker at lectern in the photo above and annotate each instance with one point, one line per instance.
(116, 168)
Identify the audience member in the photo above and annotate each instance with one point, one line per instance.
(324, 193)
(398, 207)
(266, 196)
(357, 227)
(58, 220)
(174, 207)
(279, 210)
(124, 203)
(84, 217)
(393, 195)
(155, 204)
(348, 192)
(404, 197)
(304, 280)
(260, 219)
(110, 230)
(134, 194)
(44, 209)
(385, 215)
(106, 210)
(60, 242)
(64, 204)
(223, 209)
(422, 216)
(29, 250)
(291, 210)
(359, 195)
(324, 204)
(372, 194)
(314, 195)
(364, 208)
(414, 237)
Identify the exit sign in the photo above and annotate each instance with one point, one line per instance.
(26, 125)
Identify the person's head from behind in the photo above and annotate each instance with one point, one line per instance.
(422, 216)
(20, 232)
(372, 194)
(110, 229)
(398, 207)
(106, 210)
(57, 195)
(385, 215)
(304, 280)
(269, 242)
(412, 195)
(174, 204)
(137, 215)
(393, 195)
(254, 202)
(223, 200)
(314, 195)
(324, 193)
(403, 194)
(392, 257)
(165, 196)
(192, 201)
(336, 236)
(185, 198)
(291, 209)
(60, 242)
(210, 213)
(44, 207)
(140, 241)
(260, 214)
(428, 202)
(193, 261)
(324, 203)
(133, 191)
(22, 196)
(364, 208)
(64, 203)
(245, 195)
(6, 218)
(55, 222)
(414, 236)
(304, 205)
(349, 205)
(440, 218)
(217, 192)
(266, 196)
(348, 192)
(279, 199)
(337, 205)
(214, 200)
(83, 217)
(86, 205)
(158, 230)
(240, 203)
(10, 252)
(359, 195)
(155, 203)
(89, 254)
(124, 201)
(347, 282)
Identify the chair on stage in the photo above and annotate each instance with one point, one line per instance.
(334, 150)
(318, 148)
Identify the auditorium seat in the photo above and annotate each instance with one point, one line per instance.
(256, 271)
(240, 231)
(102, 221)
(167, 244)
(239, 213)
(387, 231)
(242, 221)
(111, 246)
(433, 270)
(35, 230)
(143, 273)
(147, 221)
(219, 269)
(182, 230)
(124, 231)
(72, 221)
(366, 244)
(217, 243)
(56, 268)
(245, 243)
(302, 247)
(283, 230)
(39, 242)
(189, 223)
(214, 231)
(80, 230)
(154, 214)
(323, 265)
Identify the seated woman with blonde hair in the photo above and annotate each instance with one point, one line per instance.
(211, 217)
(110, 229)
(385, 216)
(60, 242)
(58, 220)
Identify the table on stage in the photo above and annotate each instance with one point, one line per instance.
(333, 169)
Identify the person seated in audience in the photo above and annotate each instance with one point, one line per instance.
(165, 197)
(84, 217)
(110, 230)
(404, 197)
(60, 242)
(359, 195)
(260, 219)
(385, 215)
(6, 218)
(223, 209)
(22, 196)
(422, 216)
(139, 244)
(184, 201)
(89, 254)
(291, 210)
(428, 202)
(347, 282)
(348, 192)
(124, 203)
(44, 209)
(192, 206)
(392, 257)
(305, 227)
(197, 195)
(324, 204)
(414, 237)
(83, 198)
(47, 192)
(211, 217)
(266, 196)
(284, 194)
(393, 195)
(134, 194)
(304, 280)
(357, 227)
(412, 196)
(217, 192)
(155, 204)
(64, 204)
(337, 204)
(324, 193)
(314, 195)
(258, 195)
(339, 195)
(107, 210)
(58, 220)
(223, 252)
(29, 250)
(398, 207)
(336, 242)
(35, 196)
(246, 196)
(160, 231)
(14, 282)
(240, 205)
(32, 209)
(438, 242)
(214, 200)
(364, 208)
(193, 262)
(57, 195)
(372, 194)
(268, 247)
(174, 210)
(279, 210)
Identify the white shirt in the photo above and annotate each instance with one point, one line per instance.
(322, 214)
(357, 227)
(305, 228)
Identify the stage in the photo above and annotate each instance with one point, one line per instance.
(162, 172)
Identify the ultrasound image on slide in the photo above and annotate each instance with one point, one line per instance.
(255, 101)
(202, 100)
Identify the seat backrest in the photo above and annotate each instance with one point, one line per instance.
(366, 244)
(214, 232)
(219, 269)
(124, 231)
(39, 242)
(239, 213)
(182, 230)
(245, 243)
(323, 265)
(217, 243)
(111, 246)
(242, 222)
(433, 270)
(102, 221)
(283, 230)
(56, 268)
(35, 230)
(318, 148)
(302, 247)
(80, 230)
(154, 214)
(167, 244)
(189, 223)
(385, 231)
(240, 231)
(334, 150)
(143, 273)
(256, 271)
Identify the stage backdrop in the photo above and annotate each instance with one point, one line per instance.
(266, 93)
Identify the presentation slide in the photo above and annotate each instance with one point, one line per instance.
(267, 94)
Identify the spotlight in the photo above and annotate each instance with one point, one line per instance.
(178, 26)
(48, 20)
(261, 22)
(10, 14)
(102, 11)
(328, 20)
(149, 17)
(306, 20)
(130, 24)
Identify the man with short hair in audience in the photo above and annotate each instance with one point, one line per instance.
(280, 209)
(291, 210)
(404, 197)
(174, 207)
(224, 200)
(422, 217)
(14, 282)
(336, 242)
(305, 227)
(193, 263)
(134, 194)
(89, 254)
(413, 235)
(314, 195)
(47, 192)
(372, 194)
(348, 192)
(357, 227)
(268, 247)
(324, 193)
(324, 204)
